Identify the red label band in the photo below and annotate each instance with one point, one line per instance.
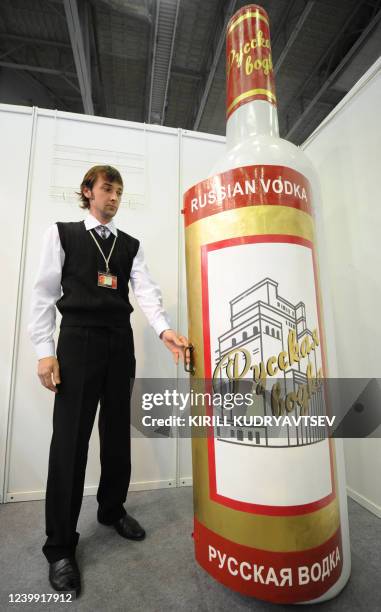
(247, 186)
(280, 577)
(249, 68)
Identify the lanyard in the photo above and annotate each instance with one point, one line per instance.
(112, 248)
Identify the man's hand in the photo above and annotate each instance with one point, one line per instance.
(176, 344)
(48, 372)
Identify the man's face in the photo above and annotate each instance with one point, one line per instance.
(104, 198)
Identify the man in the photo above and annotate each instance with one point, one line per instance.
(93, 262)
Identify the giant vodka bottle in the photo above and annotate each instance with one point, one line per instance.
(270, 516)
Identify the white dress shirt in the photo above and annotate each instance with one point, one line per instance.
(47, 289)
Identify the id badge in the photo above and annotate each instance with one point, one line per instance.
(105, 279)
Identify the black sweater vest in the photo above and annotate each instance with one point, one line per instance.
(83, 302)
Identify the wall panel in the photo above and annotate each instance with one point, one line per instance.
(16, 125)
(157, 165)
(345, 150)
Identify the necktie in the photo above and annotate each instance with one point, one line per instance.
(103, 232)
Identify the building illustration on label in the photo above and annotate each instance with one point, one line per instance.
(269, 343)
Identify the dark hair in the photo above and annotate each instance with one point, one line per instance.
(111, 174)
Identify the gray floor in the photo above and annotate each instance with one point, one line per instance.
(160, 573)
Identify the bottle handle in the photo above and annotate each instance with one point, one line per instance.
(189, 367)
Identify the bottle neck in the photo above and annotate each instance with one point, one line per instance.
(255, 118)
(250, 88)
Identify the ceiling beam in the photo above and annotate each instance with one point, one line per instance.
(150, 55)
(25, 74)
(94, 53)
(213, 67)
(328, 82)
(80, 52)
(170, 63)
(70, 82)
(294, 34)
(325, 59)
(187, 73)
(86, 17)
(164, 37)
(10, 51)
(34, 41)
(31, 68)
(155, 35)
(282, 23)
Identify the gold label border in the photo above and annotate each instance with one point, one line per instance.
(274, 533)
(252, 92)
(247, 15)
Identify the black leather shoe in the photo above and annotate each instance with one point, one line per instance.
(64, 576)
(129, 528)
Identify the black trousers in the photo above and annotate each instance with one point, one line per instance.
(97, 364)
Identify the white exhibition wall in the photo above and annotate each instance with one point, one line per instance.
(15, 156)
(345, 150)
(46, 156)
